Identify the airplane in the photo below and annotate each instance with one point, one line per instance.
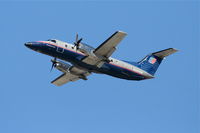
(85, 60)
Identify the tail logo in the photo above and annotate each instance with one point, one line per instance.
(152, 60)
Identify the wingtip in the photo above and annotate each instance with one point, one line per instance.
(174, 50)
(119, 31)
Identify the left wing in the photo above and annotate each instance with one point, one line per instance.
(105, 50)
(74, 74)
(109, 46)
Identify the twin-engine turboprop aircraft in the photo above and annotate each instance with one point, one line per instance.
(85, 59)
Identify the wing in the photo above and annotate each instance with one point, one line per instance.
(109, 46)
(74, 74)
(105, 50)
(64, 78)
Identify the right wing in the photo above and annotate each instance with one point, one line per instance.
(74, 74)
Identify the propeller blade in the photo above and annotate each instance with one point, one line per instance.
(79, 41)
(76, 37)
(52, 67)
(53, 63)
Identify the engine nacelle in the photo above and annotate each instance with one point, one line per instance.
(63, 67)
(86, 49)
(67, 68)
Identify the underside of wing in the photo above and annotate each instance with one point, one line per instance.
(109, 46)
(105, 50)
(74, 74)
(64, 78)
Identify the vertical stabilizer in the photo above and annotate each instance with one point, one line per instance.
(152, 61)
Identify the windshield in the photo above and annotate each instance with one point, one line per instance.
(51, 40)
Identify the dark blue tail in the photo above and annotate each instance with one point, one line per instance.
(152, 61)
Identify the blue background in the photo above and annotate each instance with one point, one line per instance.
(166, 104)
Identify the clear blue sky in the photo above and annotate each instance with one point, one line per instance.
(103, 104)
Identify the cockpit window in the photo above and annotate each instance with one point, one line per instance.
(52, 40)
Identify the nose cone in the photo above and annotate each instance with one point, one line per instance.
(36, 46)
(28, 44)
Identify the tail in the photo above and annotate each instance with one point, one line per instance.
(152, 61)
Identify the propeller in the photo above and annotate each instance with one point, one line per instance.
(77, 42)
(53, 63)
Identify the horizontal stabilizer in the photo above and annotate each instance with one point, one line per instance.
(163, 53)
